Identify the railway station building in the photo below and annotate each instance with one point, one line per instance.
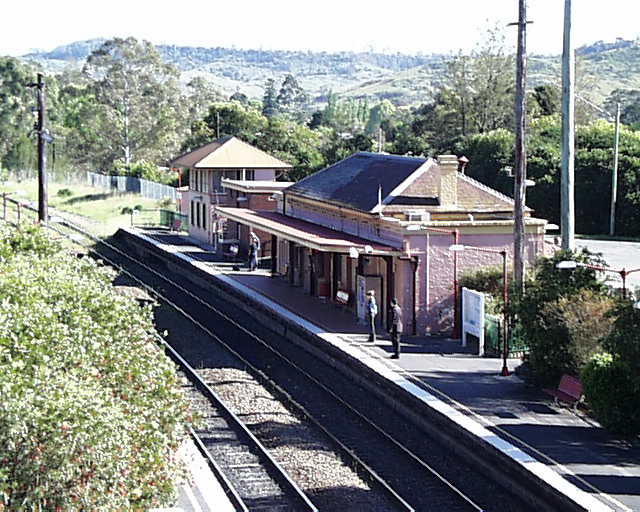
(384, 222)
(229, 172)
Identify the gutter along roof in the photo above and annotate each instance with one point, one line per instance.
(303, 232)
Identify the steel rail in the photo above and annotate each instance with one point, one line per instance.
(360, 463)
(279, 475)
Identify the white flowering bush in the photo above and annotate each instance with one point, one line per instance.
(91, 412)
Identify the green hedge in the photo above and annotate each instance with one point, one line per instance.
(92, 409)
(612, 390)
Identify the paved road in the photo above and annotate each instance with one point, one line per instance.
(618, 255)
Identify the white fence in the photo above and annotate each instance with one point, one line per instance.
(124, 184)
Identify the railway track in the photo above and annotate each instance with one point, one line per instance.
(253, 480)
(413, 469)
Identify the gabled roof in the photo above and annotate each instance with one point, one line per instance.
(229, 153)
(405, 182)
(355, 181)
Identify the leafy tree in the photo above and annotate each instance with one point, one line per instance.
(138, 112)
(200, 94)
(629, 100)
(377, 115)
(292, 99)
(547, 98)
(16, 121)
(240, 97)
(270, 99)
(612, 379)
(292, 143)
(479, 88)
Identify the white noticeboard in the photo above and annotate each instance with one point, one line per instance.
(361, 297)
(473, 317)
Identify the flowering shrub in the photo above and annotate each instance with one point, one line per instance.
(92, 412)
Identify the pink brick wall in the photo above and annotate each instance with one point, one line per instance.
(261, 202)
(435, 301)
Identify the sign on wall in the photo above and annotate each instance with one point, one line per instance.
(473, 317)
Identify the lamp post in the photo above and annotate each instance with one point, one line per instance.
(623, 273)
(505, 297)
(456, 239)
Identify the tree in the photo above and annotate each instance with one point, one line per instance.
(547, 99)
(138, 112)
(293, 143)
(292, 99)
(16, 121)
(629, 100)
(240, 97)
(200, 93)
(479, 88)
(270, 99)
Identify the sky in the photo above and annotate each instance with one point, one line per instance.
(407, 26)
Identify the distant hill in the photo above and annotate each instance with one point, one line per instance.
(404, 79)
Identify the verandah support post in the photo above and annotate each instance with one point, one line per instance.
(274, 255)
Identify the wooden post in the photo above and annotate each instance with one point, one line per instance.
(568, 125)
(274, 255)
(42, 156)
(520, 150)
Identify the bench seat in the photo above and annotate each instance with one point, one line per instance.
(569, 390)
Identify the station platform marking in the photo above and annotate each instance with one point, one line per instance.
(542, 471)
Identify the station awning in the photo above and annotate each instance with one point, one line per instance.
(304, 233)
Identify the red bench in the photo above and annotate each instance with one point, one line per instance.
(569, 391)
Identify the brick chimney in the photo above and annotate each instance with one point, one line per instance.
(448, 187)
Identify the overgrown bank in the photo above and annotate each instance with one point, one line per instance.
(92, 410)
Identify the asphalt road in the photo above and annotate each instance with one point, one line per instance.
(618, 255)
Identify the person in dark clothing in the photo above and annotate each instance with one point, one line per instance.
(253, 256)
(254, 248)
(396, 327)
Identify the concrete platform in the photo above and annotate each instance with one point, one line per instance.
(203, 492)
(570, 453)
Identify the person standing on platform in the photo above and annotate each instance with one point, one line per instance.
(396, 327)
(254, 247)
(372, 311)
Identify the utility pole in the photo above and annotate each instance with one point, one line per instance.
(520, 150)
(43, 138)
(568, 122)
(614, 177)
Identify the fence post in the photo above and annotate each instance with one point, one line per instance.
(18, 206)
(4, 206)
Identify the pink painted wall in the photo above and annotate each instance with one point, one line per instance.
(435, 271)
